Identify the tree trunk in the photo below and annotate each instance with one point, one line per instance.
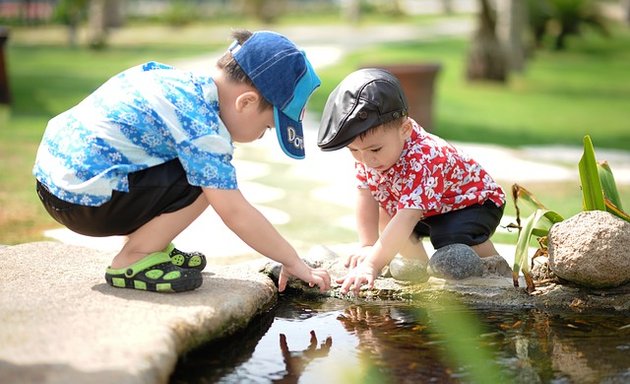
(511, 30)
(266, 11)
(97, 30)
(447, 6)
(114, 15)
(351, 10)
(486, 59)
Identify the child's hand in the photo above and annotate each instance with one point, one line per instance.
(357, 257)
(362, 274)
(313, 276)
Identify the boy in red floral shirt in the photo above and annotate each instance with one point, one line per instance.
(412, 184)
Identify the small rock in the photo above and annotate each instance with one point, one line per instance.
(496, 266)
(455, 261)
(411, 270)
(541, 271)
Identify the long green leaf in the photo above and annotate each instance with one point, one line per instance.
(609, 186)
(537, 224)
(521, 193)
(592, 194)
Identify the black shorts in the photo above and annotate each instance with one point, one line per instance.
(152, 192)
(471, 226)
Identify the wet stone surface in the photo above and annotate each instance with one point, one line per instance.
(493, 286)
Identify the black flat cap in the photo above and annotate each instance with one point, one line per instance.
(364, 99)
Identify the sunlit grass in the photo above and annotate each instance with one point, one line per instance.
(559, 98)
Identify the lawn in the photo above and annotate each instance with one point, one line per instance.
(559, 98)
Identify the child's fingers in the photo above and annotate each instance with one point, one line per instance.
(345, 284)
(348, 261)
(282, 280)
(326, 278)
(323, 283)
(358, 283)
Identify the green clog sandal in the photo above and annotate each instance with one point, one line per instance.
(155, 273)
(191, 260)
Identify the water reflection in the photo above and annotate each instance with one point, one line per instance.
(333, 341)
(397, 342)
(296, 361)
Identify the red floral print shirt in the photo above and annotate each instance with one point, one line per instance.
(431, 175)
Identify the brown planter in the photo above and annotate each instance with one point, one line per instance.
(417, 81)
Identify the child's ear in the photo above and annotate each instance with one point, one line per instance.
(406, 128)
(249, 99)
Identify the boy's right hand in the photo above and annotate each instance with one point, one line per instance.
(357, 257)
(312, 276)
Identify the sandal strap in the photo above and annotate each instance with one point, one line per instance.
(151, 260)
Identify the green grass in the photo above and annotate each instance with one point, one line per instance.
(557, 100)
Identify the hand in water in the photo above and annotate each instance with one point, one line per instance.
(296, 361)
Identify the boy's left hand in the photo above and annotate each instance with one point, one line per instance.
(357, 257)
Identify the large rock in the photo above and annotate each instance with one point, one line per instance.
(61, 323)
(592, 249)
(455, 261)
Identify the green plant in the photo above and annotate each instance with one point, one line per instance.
(536, 225)
(564, 18)
(599, 192)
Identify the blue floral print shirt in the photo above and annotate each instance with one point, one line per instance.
(140, 118)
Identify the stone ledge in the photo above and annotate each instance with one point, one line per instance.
(496, 291)
(62, 323)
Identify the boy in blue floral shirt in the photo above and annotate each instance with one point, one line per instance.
(148, 151)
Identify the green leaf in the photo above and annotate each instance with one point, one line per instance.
(521, 193)
(609, 186)
(537, 224)
(592, 194)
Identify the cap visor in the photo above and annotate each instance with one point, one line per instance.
(290, 135)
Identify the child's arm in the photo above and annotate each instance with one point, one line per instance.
(391, 241)
(255, 230)
(367, 214)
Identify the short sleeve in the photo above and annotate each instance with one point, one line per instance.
(207, 169)
(361, 176)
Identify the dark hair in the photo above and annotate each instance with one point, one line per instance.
(396, 123)
(234, 71)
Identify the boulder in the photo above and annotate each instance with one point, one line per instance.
(591, 249)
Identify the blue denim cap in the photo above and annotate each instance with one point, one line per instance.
(284, 76)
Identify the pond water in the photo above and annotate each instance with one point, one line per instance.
(309, 340)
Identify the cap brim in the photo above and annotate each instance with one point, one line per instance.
(290, 134)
